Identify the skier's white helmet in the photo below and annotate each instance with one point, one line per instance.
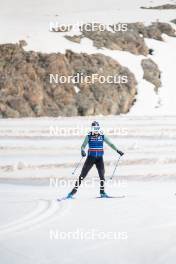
(95, 127)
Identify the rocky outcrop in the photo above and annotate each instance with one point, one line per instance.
(25, 88)
(161, 7)
(153, 31)
(102, 98)
(173, 21)
(151, 72)
(76, 39)
(131, 40)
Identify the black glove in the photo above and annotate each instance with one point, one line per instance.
(120, 152)
(83, 153)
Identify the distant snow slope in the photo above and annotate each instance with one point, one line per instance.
(30, 149)
(67, 6)
(30, 20)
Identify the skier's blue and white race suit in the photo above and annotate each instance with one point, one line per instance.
(95, 157)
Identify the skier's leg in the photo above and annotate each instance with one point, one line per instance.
(87, 166)
(101, 172)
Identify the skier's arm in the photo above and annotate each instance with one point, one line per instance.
(84, 144)
(107, 140)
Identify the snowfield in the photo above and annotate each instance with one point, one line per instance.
(37, 156)
(35, 169)
(50, 147)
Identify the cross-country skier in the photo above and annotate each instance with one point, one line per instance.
(95, 140)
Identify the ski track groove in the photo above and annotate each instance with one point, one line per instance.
(44, 211)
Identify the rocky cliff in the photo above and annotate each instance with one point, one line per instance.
(132, 39)
(26, 90)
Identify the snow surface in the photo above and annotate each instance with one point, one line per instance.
(33, 159)
(35, 169)
(45, 147)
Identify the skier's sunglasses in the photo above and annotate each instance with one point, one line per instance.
(96, 128)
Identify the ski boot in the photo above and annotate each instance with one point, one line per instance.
(69, 196)
(104, 195)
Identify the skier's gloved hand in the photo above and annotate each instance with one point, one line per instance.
(120, 152)
(83, 153)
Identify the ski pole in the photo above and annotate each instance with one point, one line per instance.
(115, 168)
(77, 165)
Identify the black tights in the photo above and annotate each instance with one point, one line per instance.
(90, 161)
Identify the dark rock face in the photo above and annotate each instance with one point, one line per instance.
(160, 7)
(154, 31)
(102, 98)
(131, 40)
(25, 90)
(173, 21)
(151, 72)
(76, 39)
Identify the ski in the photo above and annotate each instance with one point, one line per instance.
(110, 197)
(64, 198)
